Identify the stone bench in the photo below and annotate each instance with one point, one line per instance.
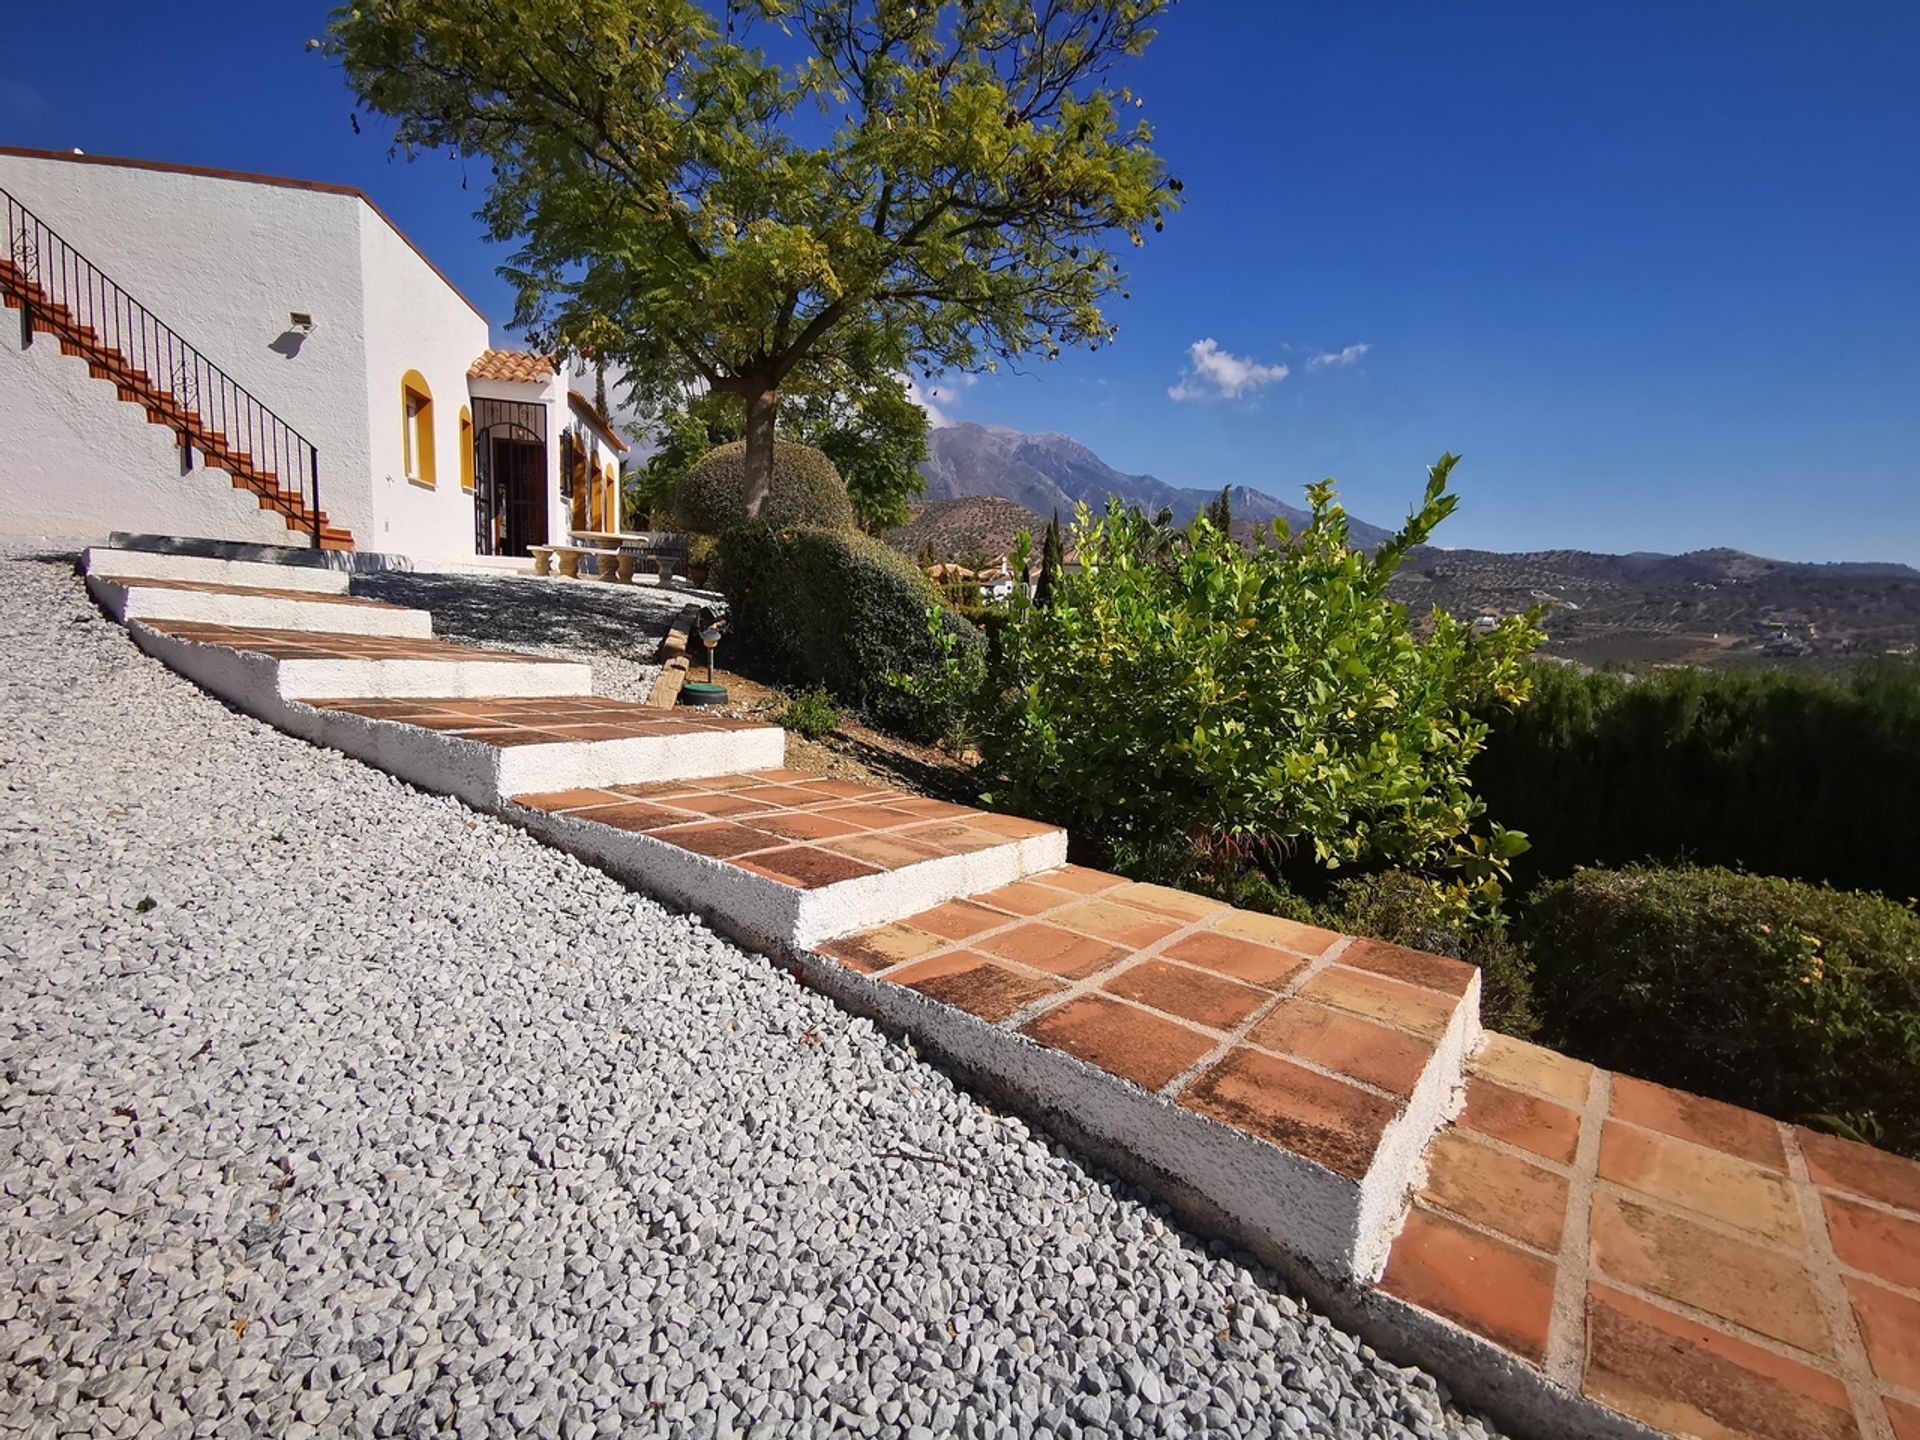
(613, 566)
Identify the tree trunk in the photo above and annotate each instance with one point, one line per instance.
(762, 406)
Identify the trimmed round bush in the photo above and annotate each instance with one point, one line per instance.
(806, 490)
(1794, 999)
(842, 610)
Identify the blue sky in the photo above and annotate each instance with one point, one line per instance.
(1652, 269)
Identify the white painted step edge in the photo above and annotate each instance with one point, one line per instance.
(133, 601)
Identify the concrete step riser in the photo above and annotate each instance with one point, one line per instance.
(136, 602)
(162, 566)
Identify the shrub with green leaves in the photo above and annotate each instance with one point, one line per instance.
(1797, 1000)
(811, 713)
(1780, 772)
(807, 490)
(1200, 705)
(842, 610)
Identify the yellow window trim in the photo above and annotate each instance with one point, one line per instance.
(466, 449)
(416, 394)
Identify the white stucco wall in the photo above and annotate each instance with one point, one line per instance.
(224, 262)
(415, 321)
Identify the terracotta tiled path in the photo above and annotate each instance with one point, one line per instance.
(801, 830)
(537, 720)
(1699, 1267)
(311, 645)
(1696, 1267)
(1301, 1037)
(304, 597)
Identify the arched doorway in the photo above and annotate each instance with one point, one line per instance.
(510, 476)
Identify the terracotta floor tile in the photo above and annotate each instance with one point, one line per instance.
(1307, 940)
(1079, 879)
(1534, 1124)
(1023, 897)
(1476, 1182)
(717, 840)
(951, 838)
(846, 789)
(1712, 1123)
(719, 805)
(1119, 923)
(1411, 1007)
(1890, 1325)
(883, 946)
(654, 789)
(874, 817)
(1881, 1243)
(1686, 1378)
(1416, 967)
(1696, 1178)
(1328, 1121)
(928, 808)
(1534, 1068)
(803, 825)
(638, 815)
(568, 799)
(1122, 1040)
(1191, 994)
(1861, 1170)
(1485, 1285)
(1012, 827)
(1904, 1418)
(1057, 951)
(809, 867)
(784, 776)
(1682, 1260)
(956, 919)
(1242, 959)
(1335, 1040)
(768, 796)
(1163, 900)
(889, 852)
(974, 983)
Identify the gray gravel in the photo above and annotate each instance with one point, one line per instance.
(614, 628)
(330, 1107)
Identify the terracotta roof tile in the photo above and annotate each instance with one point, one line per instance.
(597, 420)
(511, 365)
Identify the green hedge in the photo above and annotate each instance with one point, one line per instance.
(1794, 999)
(1775, 772)
(839, 609)
(806, 490)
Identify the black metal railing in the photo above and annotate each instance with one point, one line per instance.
(74, 299)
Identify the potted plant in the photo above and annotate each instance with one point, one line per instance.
(700, 549)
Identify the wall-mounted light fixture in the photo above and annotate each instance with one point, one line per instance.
(300, 322)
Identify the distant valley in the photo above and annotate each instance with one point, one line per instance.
(1708, 607)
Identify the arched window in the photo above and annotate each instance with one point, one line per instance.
(466, 450)
(416, 416)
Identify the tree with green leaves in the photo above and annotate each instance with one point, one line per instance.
(894, 187)
(1053, 563)
(1220, 512)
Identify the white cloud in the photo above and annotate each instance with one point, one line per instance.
(1341, 358)
(1213, 374)
(936, 395)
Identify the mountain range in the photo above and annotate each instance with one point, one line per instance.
(1049, 473)
(986, 483)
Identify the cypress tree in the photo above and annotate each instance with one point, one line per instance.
(1053, 562)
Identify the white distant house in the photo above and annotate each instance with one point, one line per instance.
(192, 352)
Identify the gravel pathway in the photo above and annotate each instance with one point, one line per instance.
(328, 1107)
(614, 628)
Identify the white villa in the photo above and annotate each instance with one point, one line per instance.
(194, 352)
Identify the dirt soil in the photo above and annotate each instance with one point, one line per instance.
(854, 751)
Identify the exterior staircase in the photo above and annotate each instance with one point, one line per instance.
(60, 293)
